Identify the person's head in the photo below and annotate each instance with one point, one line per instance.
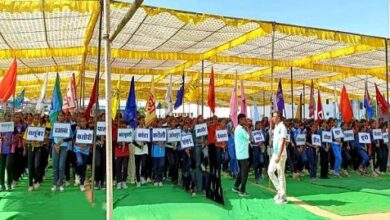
(61, 116)
(276, 117)
(36, 119)
(82, 122)
(258, 125)
(17, 118)
(241, 119)
(7, 117)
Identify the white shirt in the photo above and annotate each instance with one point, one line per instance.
(141, 151)
(280, 132)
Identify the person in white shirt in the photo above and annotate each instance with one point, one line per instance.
(278, 159)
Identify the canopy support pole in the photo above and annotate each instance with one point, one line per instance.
(304, 98)
(292, 93)
(387, 70)
(202, 88)
(263, 103)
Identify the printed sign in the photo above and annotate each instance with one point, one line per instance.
(61, 130)
(159, 134)
(84, 136)
(385, 137)
(7, 126)
(221, 135)
(288, 138)
(348, 135)
(301, 140)
(258, 136)
(377, 134)
(125, 135)
(101, 128)
(36, 134)
(337, 133)
(364, 138)
(201, 130)
(174, 135)
(327, 137)
(142, 135)
(316, 139)
(186, 141)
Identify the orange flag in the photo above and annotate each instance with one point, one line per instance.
(8, 83)
(345, 106)
(211, 97)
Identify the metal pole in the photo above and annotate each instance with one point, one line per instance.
(107, 65)
(263, 103)
(272, 86)
(202, 87)
(292, 93)
(304, 98)
(387, 70)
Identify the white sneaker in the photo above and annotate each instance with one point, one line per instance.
(30, 189)
(280, 201)
(37, 185)
(156, 184)
(54, 188)
(124, 186)
(276, 197)
(82, 188)
(62, 189)
(77, 180)
(67, 183)
(143, 181)
(118, 186)
(160, 184)
(138, 184)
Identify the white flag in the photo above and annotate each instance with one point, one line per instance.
(168, 97)
(70, 99)
(41, 99)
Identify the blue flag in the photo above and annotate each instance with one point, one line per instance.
(130, 115)
(180, 95)
(56, 101)
(279, 98)
(368, 104)
(256, 115)
(18, 100)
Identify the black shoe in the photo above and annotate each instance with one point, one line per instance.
(236, 190)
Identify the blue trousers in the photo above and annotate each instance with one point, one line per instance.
(59, 165)
(337, 157)
(258, 161)
(158, 168)
(81, 166)
(313, 160)
(364, 156)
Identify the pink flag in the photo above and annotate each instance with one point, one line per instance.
(243, 99)
(234, 107)
(70, 99)
(312, 104)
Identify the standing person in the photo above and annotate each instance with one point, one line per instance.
(220, 149)
(258, 153)
(211, 127)
(278, 160)
(140, 152)
(82, 153)
(311, 152)
(324, 153)
(121, 159)
(70, 163)
(7, 157)
(18, 148)
(336, 148)
(241, 141)
(172, 157)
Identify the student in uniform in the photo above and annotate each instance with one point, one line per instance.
(121, 158)
(346, 151)
(324, 153)
(220, 149)
(362, 151)
(311, 152)
(258, 153)
(158, 158)
(82, 152)
(19, 148)
(140, 153)
(336, 149)
(7, 157)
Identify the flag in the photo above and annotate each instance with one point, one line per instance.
(256, 115)
(116, 101)
(367, 103)
(382, 104)
(41, 99)
(211, 95)
(70, 99)
(192, 93)
(92, 100)
(345, 106)
(234, 105)
(274, 103)
(279, 98)
(56, 101)
(320, 113)
(8, 83)
(150, 109)
(130, 114)
(312, 107)
(168, 97)
(298, 114)
(180, 95)
(243, 100)
(18, 100)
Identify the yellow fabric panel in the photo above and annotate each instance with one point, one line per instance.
(38, 53)
(12, 6)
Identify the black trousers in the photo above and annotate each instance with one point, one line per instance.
(70, 164)
(212, 156)
(173, 164)
(324, 163)
(140, 167)
(34, 165)
(6, 163)
(100, 164)
(121, 167)
(242, 177)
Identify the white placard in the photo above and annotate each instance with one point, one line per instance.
(221, 135)
(61, 130)
(125, 135)
(174, 135)
(349, 136)
(101, 128)
(316, 139)
(386, 137)
(186, 141)
(300, 140)
(337, 133)
(258, 136)
(326, 137)
(36, 134)
(7, 126)
(377, 134)
(288, 138)
(159, 134)
(201, 130)
(364, 138)
(142, 135)
(84, 136)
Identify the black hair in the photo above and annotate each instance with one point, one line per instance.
(240, 116)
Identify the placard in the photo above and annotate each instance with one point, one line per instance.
(7, 126)
(385, 137)
(125, 135)
(36, 134)
(316, 139)
(84, 136)
(101, 128)
(337, 133)
(142, 135)
(326, 137)
(186, 141)
(222, 135)
(159, 134)
(288, 138)
(61, 130)
(349, 136)
(258, 136)
(301, 140)
(364, 138)
(174, 135)
(377, 134)
(201, 130)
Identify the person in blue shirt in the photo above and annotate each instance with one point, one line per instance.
(82, 152)
(234, 168)
(158, 158)
(362, 151)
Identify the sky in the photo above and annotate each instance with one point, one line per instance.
(369, 17)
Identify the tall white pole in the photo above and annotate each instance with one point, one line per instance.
(107, 67)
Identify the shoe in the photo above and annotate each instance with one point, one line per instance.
(2, 188)
(67, 183)
(276, 197)
(138, 184)
(155, 184)
(143, 181)
(193, 194)
(345, 172)
(119, 186)
(77, 180)
(280, 201)
(124, 186)
(62, 189)
(160, 184)
(30, 189)
(236, 190)
(37, 185)
(148, 180)
(82, 188)
(243, 194)
(54, 188)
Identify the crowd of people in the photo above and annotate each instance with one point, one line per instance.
(143, 163)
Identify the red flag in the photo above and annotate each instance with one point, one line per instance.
(320, 113)
(70, 99)
(211, 97)
(8, 83)
(312, 107)
(92, 101)
(345, 106)
(381, 101)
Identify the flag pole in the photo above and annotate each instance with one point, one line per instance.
(202, 87)
(303, 101)
(292, 93)
(272, 84)
(387, 70)
(182, 99)
(263, 103)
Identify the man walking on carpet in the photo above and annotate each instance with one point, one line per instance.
(278, 160)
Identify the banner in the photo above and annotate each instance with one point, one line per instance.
(386, 137)
(142, 135)
(377, 134)
(337, 133)
(159, 134)
(348, 135)
(174, 135)
(327, 137)
(7, 126)
(125, 135)
(201, 130)
(36, 134)
(84, 136)
(186, 141)
(258, 136)
(101, 128)
(61, 130)
(316, 140)
(222, 135)
(364, 138)
(301, 140)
